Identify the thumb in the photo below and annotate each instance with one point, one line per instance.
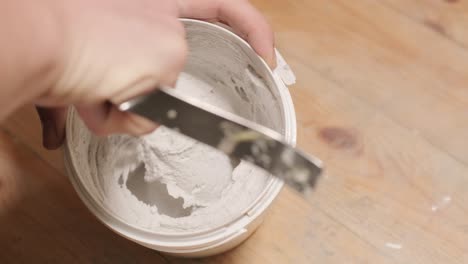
(53, 126)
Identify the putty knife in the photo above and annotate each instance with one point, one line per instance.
(239, 138)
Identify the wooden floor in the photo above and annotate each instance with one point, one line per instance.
(382, 98)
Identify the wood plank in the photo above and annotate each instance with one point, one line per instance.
(25, 127)
(383, 180)
(43, 220)
(418, 77)
(447, 18)
(298, 232)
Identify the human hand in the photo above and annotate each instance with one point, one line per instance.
(119, 62)
(112, 50)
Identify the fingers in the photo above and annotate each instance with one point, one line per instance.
(106, 119)
(141, 67)
(53, 126)
(246, 21)
(116, 50)
(101, 119)
(129, 78)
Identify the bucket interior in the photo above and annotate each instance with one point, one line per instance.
(165, 183)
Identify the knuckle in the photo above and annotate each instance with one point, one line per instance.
(174, 57)
(179, 53)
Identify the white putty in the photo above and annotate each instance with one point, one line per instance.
(393, 245)
(445, 201)
(166, 182)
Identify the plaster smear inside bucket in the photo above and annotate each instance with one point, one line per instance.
(166, 182)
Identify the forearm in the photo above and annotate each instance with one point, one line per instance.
(29, 48)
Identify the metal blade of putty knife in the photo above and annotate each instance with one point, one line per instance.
(237, 137)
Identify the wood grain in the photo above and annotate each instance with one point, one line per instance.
(381, 98)
(43, 221)
(445, 17)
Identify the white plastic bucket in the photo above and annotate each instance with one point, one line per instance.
(219, 239)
